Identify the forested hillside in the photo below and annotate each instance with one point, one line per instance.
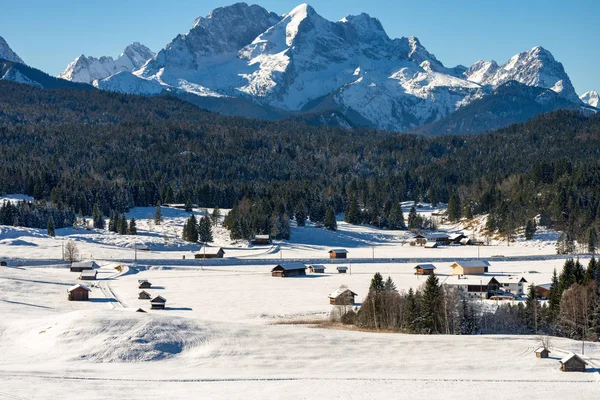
(79, 148)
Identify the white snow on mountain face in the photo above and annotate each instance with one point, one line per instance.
(301, 61)
(7, 53)
(591, 98)
(14, 75)
(89, 69)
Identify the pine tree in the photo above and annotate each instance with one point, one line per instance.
(567, 276)
(112, 223)
(158, 214)
(300, 214)
(389, 285)
(432, 300)
(578, 272)
(132, 228)
(468, 321)
(377, 284)
(530, 229)
(205, 230)
(554, 296)
(190, 230)
(188, 205)
(215, 216)
(330, 222)
(122, 224)
(97, 217)
(412, 218)
(532, 309)
(352, 214)
(454, 207)
(396, 218)
(592, 240)
(50, 227)
(412, 311)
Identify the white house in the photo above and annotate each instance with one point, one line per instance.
(476, 287)
(512, 284)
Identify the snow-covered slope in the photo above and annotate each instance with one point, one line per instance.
(88, 69)
(591, 98)
(7, 53)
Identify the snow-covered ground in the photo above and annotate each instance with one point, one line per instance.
(219, 337)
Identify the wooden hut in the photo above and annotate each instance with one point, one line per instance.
(338, 253)
(425, 269)
(289, 269)
(419, 239)
(542, 352)
(572, 363)
(210, 252)
(316, 269)
(78, 292)
(144, 284)
(83, 265)
(431, 245)
(158, 303)
(342, 269)
(474, 267)
(88, 275)
(342, 297)
(543, 290)
(2, 263)
(143, 295)
(261, 239)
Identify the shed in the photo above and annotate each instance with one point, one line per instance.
(342, 297)
(78, 292)
(342, 269)
(2, 263)
(88, 275)
(317, 269)
(338, 253)
(144, 284)
(210, 252)
(542, 352)
(143, 295)
(289, 269)
(431, 245)
(543, 290)
(424, 269)
(83, 265)
(474, 267)
(261, 239)
(158, 303)
(572, 363)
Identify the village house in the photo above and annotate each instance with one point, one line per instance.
(418, 240)
(158, 303)
(425, 269)
(456, 238)
(210, 252)
(474, 267)
(542, 352)
(143, 295)
(83, 265)
(512, 284)
(572, 363)
(288, 270)
(342, 297)
(261, 239)
(78, 292)
(473, 287)
(316, 269)
(144, 284)
(543, 290)
(342, 269)
(466, 241)
(88, 275)
(338, 253)
(439, 238)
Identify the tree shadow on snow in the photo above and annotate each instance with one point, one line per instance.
(102, 300)
(178, 308)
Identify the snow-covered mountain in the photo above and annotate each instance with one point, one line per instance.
(591, 98)
(7, 53)
(88, 69)
(301, 62)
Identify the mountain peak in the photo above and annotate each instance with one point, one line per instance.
(591, 98)
(7, 53)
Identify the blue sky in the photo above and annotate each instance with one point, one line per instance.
(48, 34)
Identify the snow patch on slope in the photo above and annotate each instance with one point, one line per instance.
(591, 98)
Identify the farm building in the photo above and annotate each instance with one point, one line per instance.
(342, 297)
(88, 275)
(143, 295)
(2, 263)
(475, 267)
(288, 270)
(572, 363)
(261, 239)
(158, 303)
(83, 265)
(78, 292)
(342, 269)
(473, 287)
(424, 269)
(456, 238)
(210, 252)
(512, 284)
(439, 238)
(431, 245)
(338, 253)
(542, 352)
(317, 269)
(466, 241)
(543, 290)
(419, 240)
(144, 284)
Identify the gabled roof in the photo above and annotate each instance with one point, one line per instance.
(317, 266)
(456, 280)
(339, 291)
(342, 268)
(158, 299)
(425, 266)
(431, 244)
(79, 285)
(540, 349)
(143, 280)
(571, 356)
(85, 264)
(456, 235)
(338, 251)
(510, 279)
(290, 266)
(143, 291)
(437, 235)
(89, 272)
(472, 264)
(210, 250)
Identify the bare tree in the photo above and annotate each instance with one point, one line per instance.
(545, 342)
(71, 252)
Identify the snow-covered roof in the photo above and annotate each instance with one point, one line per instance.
(317, 266)
(540, 349)
(425, 266)
(143, 280)
(210, 250)
(472, 264)
(465, 240)
(158, 299)
(79, 285)
(264, 237)
(454, 236)
(291, 266)
(456, 280)
(339, 251)
(437, 235)
(342, 268)
(339, 291)
(510, 279)
(85, 264)
(88, 272)
(430, 245)
(143, 291)
(570, 356)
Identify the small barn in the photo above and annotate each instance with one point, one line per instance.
(425, 269)
(88, 275)
(143, 295)
(542, 352)
(338, 253)
(261, 239)
(474, 267)
(572, 363)
(2, 263)
(342, 269)
(144, 284)
(543, 290)
(158, 303)
(431, 245)
(342, 297)
(419, 240)
(83, 265)
(210, 252)
(316, 269)
(288, 270)
(78, 292)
